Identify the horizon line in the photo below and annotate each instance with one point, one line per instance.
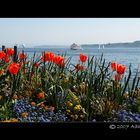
(31, 44)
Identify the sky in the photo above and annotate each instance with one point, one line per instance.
(65, 31)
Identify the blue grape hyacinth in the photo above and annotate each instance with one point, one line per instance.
(128, 116)
(36, 114)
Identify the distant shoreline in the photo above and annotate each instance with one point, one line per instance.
(124, 44)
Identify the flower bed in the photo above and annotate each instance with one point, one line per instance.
(51, 89)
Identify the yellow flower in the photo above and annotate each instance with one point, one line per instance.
(33, 103)
(1, 72)
(68, 111)
(69, 104)
(76, 99)
(24, 115)
(6, 121)
(0, 97)
(15, 97)
(14, 120)
(77, 107)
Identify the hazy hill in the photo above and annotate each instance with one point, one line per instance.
(126, 44)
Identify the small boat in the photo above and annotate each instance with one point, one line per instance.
(101, 47)
(74, 46)
(23, 45)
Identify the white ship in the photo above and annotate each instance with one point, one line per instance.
(22, 46)
(75, 47)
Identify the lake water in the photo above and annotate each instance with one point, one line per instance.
(120, 54)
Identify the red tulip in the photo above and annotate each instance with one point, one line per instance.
(59, 60)
(114, 66)
(120, 69)
(47, 56)
(55, 59)
(2, 54)
(14, 68)
(9, 51)
(22, 56)
(83, 57)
